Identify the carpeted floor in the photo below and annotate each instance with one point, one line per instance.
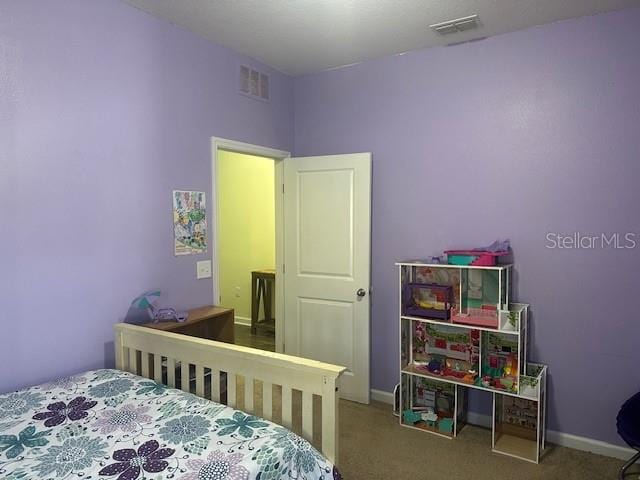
(373, 446)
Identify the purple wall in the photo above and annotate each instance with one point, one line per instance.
(514, 136)
(104, 110)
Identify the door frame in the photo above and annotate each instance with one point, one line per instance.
(278, 156)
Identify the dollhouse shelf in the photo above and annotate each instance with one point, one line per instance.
(459, 325)
(459, 331)
(530, 393)
(417, 263)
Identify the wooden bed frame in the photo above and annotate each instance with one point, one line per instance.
(223, 372)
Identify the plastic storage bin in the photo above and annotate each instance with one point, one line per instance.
(477, 258)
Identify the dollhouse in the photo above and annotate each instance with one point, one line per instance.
(460, 330)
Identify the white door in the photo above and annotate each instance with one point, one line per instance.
(327, 243)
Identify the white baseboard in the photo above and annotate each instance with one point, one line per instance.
(559, 438)
(382, 396)
(242, 321)
(590, 445)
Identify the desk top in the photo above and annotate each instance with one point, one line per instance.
(196, 315)
(267, 272)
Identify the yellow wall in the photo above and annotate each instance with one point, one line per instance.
(246, 222)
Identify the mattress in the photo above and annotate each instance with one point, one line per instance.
(111, 424)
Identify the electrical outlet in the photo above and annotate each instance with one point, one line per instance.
(203, 269)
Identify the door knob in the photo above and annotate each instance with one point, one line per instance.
(361, 292)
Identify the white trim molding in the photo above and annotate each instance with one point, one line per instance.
(382, 396)
(558, 438)
(238, 320)
(590, 445)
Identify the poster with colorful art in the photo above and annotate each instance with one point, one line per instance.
(189, 222)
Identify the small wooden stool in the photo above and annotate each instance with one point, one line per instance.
(262, 286)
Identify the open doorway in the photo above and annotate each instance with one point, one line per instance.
(247, 245)
(247, 190)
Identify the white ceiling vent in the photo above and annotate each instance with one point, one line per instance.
(253, 83)
(457, 25)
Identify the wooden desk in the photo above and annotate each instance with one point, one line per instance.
(262, 286)
(213, 323)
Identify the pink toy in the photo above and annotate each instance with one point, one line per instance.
(480, 317)
(477, 258)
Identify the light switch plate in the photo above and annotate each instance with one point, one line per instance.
(203, 269)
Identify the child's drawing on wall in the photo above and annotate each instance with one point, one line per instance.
(189, 222)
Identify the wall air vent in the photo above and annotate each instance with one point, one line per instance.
(455, 26)
(253, 83)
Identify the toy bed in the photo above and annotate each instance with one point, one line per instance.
(131, 424)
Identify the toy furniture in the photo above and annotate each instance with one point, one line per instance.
(628, 424)
(409, 416)
(445, 425)
(432, 405)
(427, 300)
(430, 417)
(482, 346)
(482, 292)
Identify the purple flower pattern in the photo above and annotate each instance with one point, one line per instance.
(90, 435)
(149, 457)
(58, 412)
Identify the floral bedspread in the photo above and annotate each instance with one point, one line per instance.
(108, 424)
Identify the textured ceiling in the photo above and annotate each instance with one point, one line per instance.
(303, 36)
